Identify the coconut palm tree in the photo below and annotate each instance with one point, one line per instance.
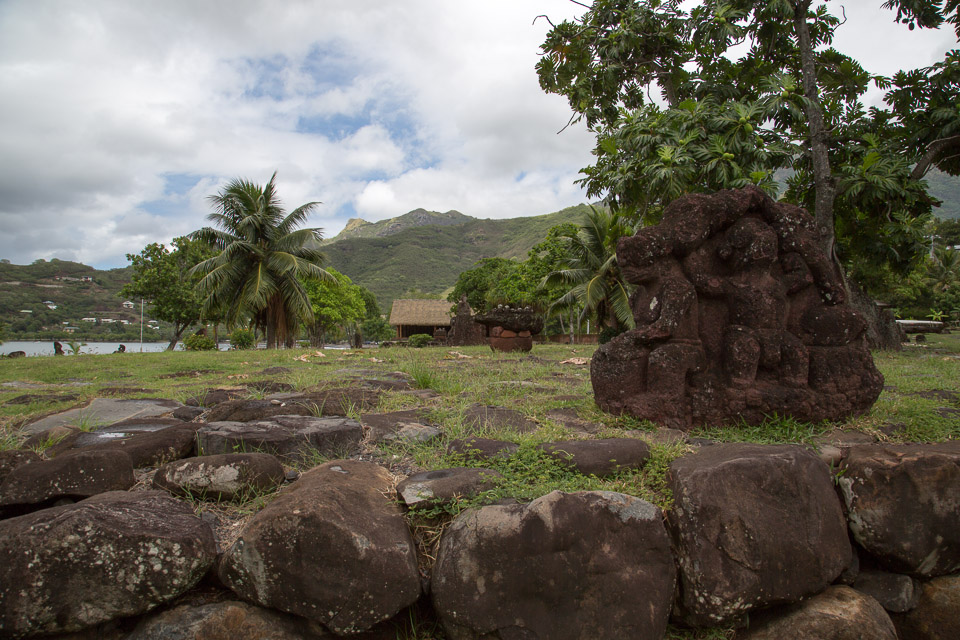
(263, 256)
(591, 271)
(943, 270)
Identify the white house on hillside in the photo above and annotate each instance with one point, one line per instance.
(128, 305)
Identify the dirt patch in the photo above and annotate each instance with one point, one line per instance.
(276, 371)
(937, 394)
(29, 398)
(123, 391)
(196, 373)
(268, 387)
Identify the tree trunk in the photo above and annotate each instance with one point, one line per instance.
(825, 191)
(882, 329)
(177, 332)
(271, 335)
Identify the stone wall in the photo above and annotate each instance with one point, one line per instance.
(765, 537)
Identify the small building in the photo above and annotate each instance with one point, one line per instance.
(88, 319)
(70, 329)
(419, 316)
(26, 311)
(128, 305)
(107, 321)
(50, 304)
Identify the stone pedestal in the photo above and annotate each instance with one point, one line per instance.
(511, 328)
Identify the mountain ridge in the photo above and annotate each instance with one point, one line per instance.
(360, 228)
(395, 258)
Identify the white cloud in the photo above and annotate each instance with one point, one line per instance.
(367, 106)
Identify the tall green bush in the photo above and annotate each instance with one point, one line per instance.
(242, 339)
(419, 340)
(199, 342)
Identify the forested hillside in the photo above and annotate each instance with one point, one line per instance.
(946, 188)
(430, 258)
(44, 298)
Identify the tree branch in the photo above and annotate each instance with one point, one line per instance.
(545, 17)
(931, 155)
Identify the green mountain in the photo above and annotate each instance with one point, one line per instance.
(946, 188)
(429, 257)
(360, 228)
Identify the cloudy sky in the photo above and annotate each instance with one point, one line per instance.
(119, 118)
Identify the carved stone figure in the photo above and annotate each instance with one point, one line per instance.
(739, 315)
(464, 332)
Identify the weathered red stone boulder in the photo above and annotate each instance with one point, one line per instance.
(903, 504)
(600, 457)
(13, 458)
(76, 476)
(221, 477)
(839, 613)
(443, 485)
(490, 417)
(753, 525)
(228, 620)
(333, 548)
(379, 426)
(594, 564)
(937, 614)
(113, 555)
(739, 315)
(339, 401)
(290, 437)
(482, 448)
(212, 397)
(149, 442)
(895, 592)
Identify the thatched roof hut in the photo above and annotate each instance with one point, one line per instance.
(419, 316)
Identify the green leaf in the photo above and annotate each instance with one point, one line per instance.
(871, 159)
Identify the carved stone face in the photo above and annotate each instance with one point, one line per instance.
(641, 253)
(748, 243)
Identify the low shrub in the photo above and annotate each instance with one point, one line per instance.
(199, 342)
(419, 340)
(242, 339)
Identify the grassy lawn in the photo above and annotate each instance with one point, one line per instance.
(918, 405)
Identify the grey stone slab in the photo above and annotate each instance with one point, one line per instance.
(106, 411)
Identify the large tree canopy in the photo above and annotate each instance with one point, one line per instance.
(336, 303)
(262, 261)
(783, 99)
(161, 276)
